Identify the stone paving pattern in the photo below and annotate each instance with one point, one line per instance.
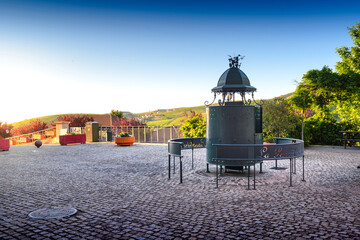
(124, 193)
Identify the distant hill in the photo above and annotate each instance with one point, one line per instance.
(286, 96)
(160, 117)
(169, 117)
(53, 118)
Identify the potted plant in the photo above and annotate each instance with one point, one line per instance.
(72, 138)
(124, 139)
(4, 144)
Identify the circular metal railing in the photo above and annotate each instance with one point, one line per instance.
(233, 155)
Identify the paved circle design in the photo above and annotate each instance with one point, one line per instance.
(53, 212)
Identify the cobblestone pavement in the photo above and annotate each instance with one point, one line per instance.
(124, 193)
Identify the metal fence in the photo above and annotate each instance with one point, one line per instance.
(142, 134)
(31, 137)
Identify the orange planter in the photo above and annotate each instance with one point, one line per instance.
(124, 141)
(4, 144)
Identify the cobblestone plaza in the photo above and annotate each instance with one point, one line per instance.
(124, 193)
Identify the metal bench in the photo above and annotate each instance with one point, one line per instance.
(252, 154)
(349, 136)
(175, 146)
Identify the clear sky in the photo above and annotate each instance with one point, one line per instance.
(92, 56)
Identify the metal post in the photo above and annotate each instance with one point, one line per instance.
(151, 135)
(261, 168)
(169, 158)
(181, 170)
(207, 168)
(254, 174)
(303, 163)
(291, 169)
(276, 164)
(217, 175)
(294, 168)
(139, 134)
(248, 167)
(144, 134)
(192, 157)
(157, 134)
(174, 166)
(345, 140)
(164, 131)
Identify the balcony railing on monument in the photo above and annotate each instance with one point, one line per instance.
(142, 134)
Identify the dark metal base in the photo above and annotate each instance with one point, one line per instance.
(237, 169)
(279, 168)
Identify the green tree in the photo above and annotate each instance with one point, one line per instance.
(326, 88)
(279, 120)
(301, 100)
(194, 127)
(350, 56)
(117, 113)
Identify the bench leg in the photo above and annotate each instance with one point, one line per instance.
(291, 170)
(174, 166)
(192, 158)
(254, 174)
(169, 167)
(207, 168)
(248, 167)
(303, 167)
(217, 176)
(181, 179)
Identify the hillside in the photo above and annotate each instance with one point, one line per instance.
(169, 117)
(52, 118)
(160, 117)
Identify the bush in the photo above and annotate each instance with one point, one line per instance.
(76, 120)
(322, 131)
(127, 122)
(194, 127)
(5, 130)
(279, 120)
(33, 126)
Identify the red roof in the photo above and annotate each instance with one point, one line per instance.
(104, 120)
